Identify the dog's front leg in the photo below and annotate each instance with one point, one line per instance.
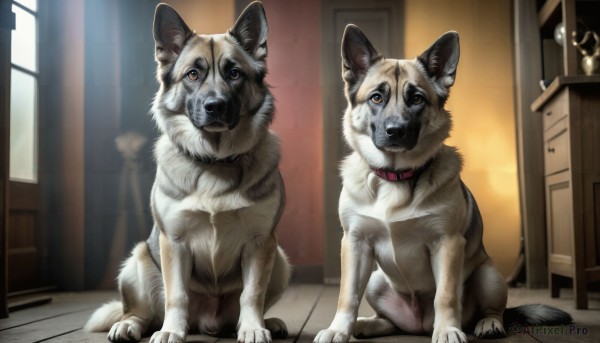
(447, 264)
(357, 265)
(257, 264)
(176, 265)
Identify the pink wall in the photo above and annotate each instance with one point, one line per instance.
(294, 64)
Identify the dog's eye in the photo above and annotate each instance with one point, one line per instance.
(193, 75)
(234, 74)
(417, 99)
(376, 98)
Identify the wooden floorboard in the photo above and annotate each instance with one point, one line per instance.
(62, 303)
(306, 309)
(44, 329)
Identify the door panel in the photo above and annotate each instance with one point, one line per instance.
(382, 23)
(25, 244)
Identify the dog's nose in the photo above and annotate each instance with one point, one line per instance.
(214, 106)
(394, 130)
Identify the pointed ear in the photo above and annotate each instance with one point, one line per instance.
(358, 54)
(170, 33)
(251, 30)
(440, 61)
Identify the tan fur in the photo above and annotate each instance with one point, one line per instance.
(212, 263)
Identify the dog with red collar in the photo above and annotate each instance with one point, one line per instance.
(405, 210)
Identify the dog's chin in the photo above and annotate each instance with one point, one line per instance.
(216, 127)
(394, 149)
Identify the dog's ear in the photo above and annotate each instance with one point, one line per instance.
(251, 30)
(170, 34)
(440, 61)
(358, 54)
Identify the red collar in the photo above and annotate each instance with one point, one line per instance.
(401, 175)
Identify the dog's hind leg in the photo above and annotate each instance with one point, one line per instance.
(374, 326)
(394, 314)
(140, 284)
(485, 294)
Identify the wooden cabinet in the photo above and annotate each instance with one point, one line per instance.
(570, 109)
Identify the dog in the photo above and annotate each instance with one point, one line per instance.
(212, 262)
(404, 208)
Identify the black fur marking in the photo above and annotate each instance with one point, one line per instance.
(536, 314)
(410, 90)
(262, 188)
(384, 89)
(167, 78)
(397, 74)
(201, 64)
(153, 246)
(259, 78)
(473, 233)
(352, 97)
(424, 64)
(212, 53)
(227, 66)
(172, 194)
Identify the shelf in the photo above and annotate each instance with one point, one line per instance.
(549, 15)
(558, 84)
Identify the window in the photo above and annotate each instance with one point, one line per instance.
(23, 93)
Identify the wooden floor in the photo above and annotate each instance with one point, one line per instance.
(305, 308)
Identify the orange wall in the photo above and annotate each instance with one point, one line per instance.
(482, 106)
(205, 16)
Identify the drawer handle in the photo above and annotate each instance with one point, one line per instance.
(551, 150)
(549, 113)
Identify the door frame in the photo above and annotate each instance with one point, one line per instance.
(7, 24)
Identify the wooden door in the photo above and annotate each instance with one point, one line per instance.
(381, 20)
(24, 240)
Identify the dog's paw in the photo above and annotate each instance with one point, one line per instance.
(166, 337)
(124, 332)
(330, 336)
(259, 335)
(449, 335)
(277, 328)
(489, 328)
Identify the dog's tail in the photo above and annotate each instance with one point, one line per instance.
(536, 314)
(103, 318)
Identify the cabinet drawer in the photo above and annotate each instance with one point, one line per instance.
(556, 148)
(556, 109)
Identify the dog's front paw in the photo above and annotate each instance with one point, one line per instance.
(124, 332)
(166, 337)
(329, 336)
(259, 335)
(489, 328)
(449, 335)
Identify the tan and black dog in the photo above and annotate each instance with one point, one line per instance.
(212, 263)
(404, 208)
